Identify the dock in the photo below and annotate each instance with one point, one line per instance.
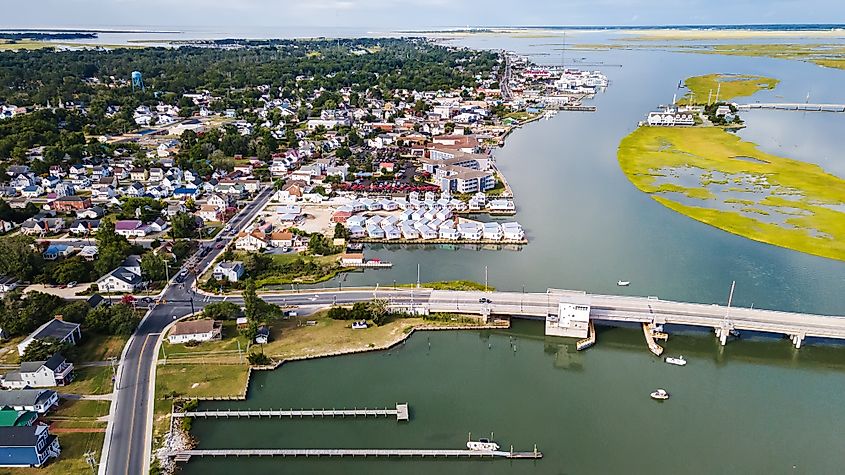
(186, 455)
(401, 413)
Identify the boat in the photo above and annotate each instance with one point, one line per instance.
(623, 283)
(679, 361)
(660, 395)
(482, 445)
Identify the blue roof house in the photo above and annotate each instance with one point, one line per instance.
(27, 446)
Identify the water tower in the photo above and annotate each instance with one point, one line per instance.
(137, 80)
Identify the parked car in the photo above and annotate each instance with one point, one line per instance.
(71, 284)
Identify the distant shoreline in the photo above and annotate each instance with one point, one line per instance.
(86, 30)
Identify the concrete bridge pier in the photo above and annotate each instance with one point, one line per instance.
(722, 333)
(797, 339)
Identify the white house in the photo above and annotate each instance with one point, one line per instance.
(231, 271)
(195, 330)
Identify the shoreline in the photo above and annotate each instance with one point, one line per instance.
(349, 351)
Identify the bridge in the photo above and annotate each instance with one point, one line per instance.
(723, 320)
(400, 412)
(793, 106)
(185, 455)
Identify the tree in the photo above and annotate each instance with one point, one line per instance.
(183, 225)
(153, 267)
(41, 350)
(18, 257)
(251, 301)
(72, 269)
(258, 359)
(118, 319)
(182, 249)
(75, 312)
(221, 311)
(340, 231)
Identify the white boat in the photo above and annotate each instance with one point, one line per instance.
(660, 395)
(623, 283)
(483, 445)
(679, 361)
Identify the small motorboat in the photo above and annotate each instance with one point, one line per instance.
(482, 445)
(623, 283)
(679, 361)
(660, 395)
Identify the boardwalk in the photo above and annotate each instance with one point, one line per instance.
(401, 413)
(185, 455)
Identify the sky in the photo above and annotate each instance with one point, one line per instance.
(407, 14)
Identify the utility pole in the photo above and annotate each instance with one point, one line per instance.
(485, 278)
(730, 299)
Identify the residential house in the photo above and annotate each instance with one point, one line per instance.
(55, 371)
(254, 241)
(32, 400)
(13, 418)
(208, 212)
(94, 212)
(139, 174)
(229, 270)
(195, 330)
(28, 446)
(55, 328)
(125, 278)
(55, 251)
(282, 239)
(131, 228)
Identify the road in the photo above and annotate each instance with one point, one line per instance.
(128, 436)
(505, 80)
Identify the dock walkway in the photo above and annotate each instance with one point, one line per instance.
(400, 412)
(185, 455)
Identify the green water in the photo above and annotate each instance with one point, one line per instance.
(740, 409)
(756, 406)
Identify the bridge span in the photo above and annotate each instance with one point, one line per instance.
(560, 309)
(793, 106)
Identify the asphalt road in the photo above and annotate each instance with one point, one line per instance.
(129, 432)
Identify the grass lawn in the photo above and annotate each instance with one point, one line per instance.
(327, 268)
(96, 347)
(192, 380)
(817, 230)
(81, 409)
(289, 339)
(9, 351)
(95, 380)
(72, 459)
(729, 86)
(450, 285)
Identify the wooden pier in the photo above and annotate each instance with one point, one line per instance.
(185, 455)
(401, 413)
